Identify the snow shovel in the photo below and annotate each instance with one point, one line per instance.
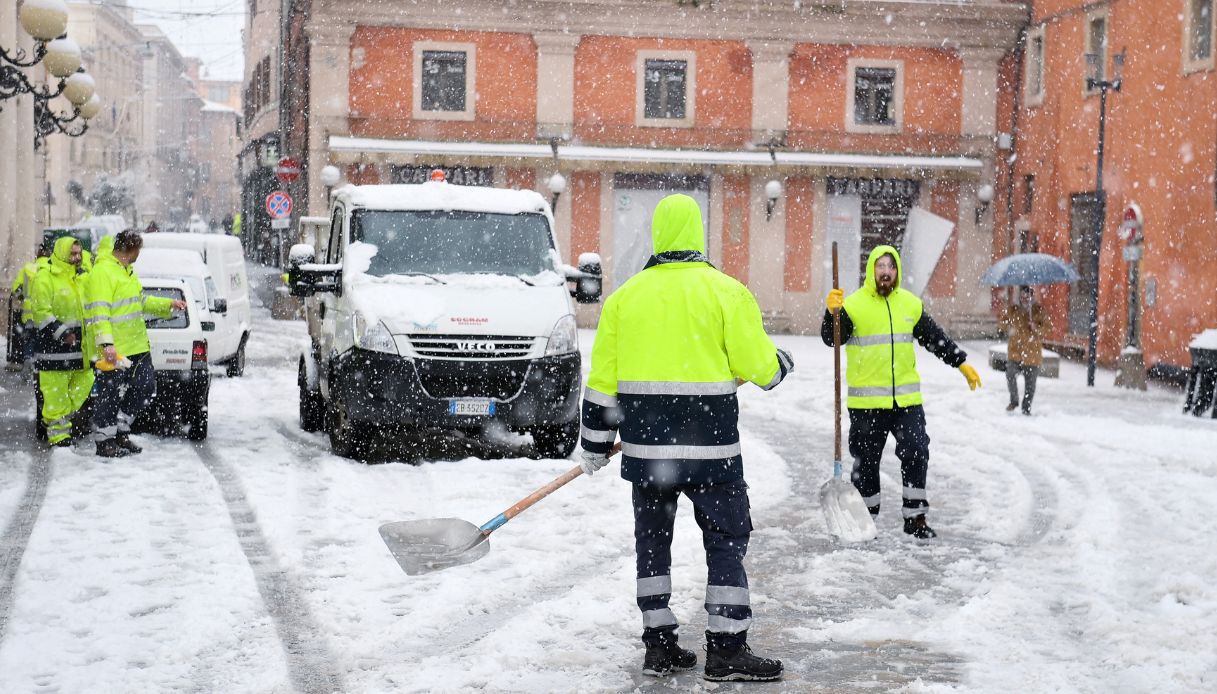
(434, 544)
(844, 510)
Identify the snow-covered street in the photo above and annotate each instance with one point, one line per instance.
(1075, 553)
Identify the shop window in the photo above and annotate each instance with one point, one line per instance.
(444, 84)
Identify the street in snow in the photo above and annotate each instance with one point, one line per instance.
(1074, 553)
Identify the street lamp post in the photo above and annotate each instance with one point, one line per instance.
(1095, 80)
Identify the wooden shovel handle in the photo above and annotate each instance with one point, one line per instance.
(523, 504)
(836, 362)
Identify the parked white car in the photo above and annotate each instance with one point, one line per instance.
(225, 260)
(179, 355)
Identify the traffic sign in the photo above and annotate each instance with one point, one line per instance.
(278, 205)
(287, 170)
(1132, 224)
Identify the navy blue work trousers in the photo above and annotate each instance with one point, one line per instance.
(722, 513)
(120, 395)
(868, 432)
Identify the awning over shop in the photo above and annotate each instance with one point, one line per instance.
(342, 144)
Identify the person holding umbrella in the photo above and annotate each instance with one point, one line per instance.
(1026, 325)
(879, 324)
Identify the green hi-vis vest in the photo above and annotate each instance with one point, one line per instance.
(880, 360)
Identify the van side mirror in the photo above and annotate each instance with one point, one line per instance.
(588, 279)
(219, 306)
(307, 279)
(300, 254)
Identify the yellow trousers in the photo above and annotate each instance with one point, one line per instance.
(63, 393)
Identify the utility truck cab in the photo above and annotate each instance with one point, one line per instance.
(439, 306)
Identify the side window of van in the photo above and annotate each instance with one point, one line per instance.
(335, 252)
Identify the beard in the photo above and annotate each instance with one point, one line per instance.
(885, 288)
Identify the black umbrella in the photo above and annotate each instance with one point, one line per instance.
(1029, 268)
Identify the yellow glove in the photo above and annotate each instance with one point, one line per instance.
(970, 374)
(120, 362)
(835, 299)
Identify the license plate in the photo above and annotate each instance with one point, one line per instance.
(470, 407)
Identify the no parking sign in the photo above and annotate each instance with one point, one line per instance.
(278, 205)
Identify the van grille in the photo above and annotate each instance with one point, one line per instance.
(480, 347)
(501, 380)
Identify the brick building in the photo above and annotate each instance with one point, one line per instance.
(878, 126)
(1160, 152)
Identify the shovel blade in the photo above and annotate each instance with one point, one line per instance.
(423, 546)
(845, 513)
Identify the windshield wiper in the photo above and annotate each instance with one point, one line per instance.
(422, 274)
(499, 274)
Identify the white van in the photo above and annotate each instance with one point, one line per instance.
(100, 225)
(188, 266)
(441, 306)
(225, 260)
(179, 355)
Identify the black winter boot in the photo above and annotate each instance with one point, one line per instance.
(664, 655)
(736, 662)
(916, 526)
(124, 440)
(110, 449)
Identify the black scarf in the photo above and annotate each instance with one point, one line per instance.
(677, 257)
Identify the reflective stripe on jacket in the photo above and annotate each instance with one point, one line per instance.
(57, 314)
(881, 364)
(669, 347)
(114, 307)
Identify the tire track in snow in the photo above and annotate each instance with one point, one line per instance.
(17, 535)
(309, 660)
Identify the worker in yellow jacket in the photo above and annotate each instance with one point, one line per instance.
(64, 376)
(879, 324)
(21, 323)
(115, 307)
(671, 346)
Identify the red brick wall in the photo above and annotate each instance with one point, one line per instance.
(800, 193)
(584, 214)
(605, 90)
(932, 99)
(735, 227)
(382, 84)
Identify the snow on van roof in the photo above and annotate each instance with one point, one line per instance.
(443, 196)
(170, 262)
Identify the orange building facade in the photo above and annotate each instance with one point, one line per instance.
(870, 127)
(1160, 152)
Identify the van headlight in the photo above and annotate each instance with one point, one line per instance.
(565, 337)
(373, 336)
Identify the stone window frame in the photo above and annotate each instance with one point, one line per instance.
(470, 51)
(1099, 13)
(640, 63)
(851, 69)
(1189, 63)
(1030, 98)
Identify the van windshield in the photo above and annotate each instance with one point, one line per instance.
(438, 242)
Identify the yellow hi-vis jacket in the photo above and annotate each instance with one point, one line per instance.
(669, 347)
(57, 312)
(879, 332)
(115, 306)
(23, 284)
